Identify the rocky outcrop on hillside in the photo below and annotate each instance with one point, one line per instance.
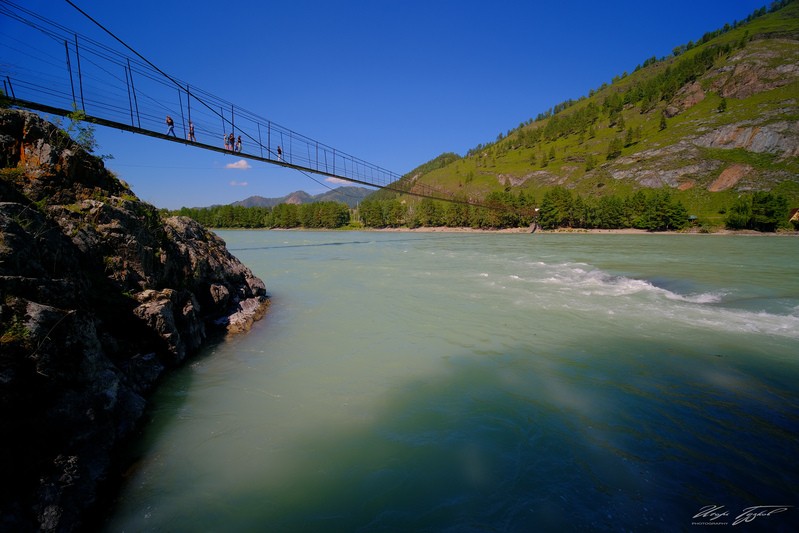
(761, 66)
(98, 298)
(687, 97)
(542, 176)
(656, 178)
(729, 177)
(779, 138)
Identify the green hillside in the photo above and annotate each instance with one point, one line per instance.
(716, 120)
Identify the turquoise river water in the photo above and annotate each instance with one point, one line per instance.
(488, 382)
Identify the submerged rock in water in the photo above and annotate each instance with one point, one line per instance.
(99, 296)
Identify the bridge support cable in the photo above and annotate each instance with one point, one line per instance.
(188, 105)
(135, 99)
(182, 116)
(130, 98)
(80, 76)
(69, 69)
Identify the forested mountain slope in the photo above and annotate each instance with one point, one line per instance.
(716, 120)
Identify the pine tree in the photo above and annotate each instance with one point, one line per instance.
(614, 148)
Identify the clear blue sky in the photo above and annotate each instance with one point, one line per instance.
(395, 83)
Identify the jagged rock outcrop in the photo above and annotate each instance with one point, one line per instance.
(542, 176)
(98, 298)
(655, 178)
(780, 138)
(753, 69)
(687, 97)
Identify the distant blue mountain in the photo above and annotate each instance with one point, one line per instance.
(346, 195)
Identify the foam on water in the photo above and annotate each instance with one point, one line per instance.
(579, 286)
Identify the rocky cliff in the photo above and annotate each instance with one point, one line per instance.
(99, 296)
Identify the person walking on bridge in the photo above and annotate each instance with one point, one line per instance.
(192, 138)
(238, 144)
(170, 126)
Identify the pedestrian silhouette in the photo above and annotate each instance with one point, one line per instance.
(170, 126)
(238, 144)
(192, 138)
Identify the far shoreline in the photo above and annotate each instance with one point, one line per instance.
(564, 231)
(582, 231)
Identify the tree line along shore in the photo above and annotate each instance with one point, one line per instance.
(560, 208)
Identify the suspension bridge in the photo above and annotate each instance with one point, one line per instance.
(50, 68)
